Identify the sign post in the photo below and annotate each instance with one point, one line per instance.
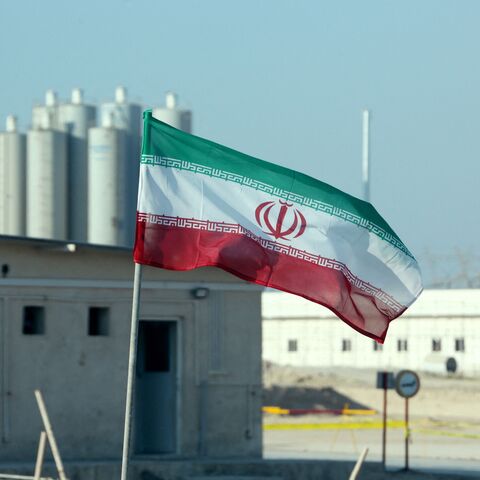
(407, 385)
(385, 380)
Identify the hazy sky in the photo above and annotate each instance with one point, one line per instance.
(286, 81)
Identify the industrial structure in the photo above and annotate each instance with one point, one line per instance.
(439, 333)
(74, 176)
(12, 179)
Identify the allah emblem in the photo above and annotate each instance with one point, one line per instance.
(280, 220)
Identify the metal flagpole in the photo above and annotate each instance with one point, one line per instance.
(132, 360)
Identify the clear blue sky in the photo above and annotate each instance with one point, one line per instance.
(286, 81)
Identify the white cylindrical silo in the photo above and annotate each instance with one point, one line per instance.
(47, 184)
(46, 116)
(107, 212)
(75, 118)
(174, 116)
(126, 116)
(12, 180)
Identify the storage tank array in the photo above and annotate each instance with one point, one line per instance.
(68, 179)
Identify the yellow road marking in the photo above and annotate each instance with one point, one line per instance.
(333, 426)
(368, 425)
(444, 433)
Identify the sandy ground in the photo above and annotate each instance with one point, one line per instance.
(445, 418)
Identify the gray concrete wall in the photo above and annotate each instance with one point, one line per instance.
(83, 377)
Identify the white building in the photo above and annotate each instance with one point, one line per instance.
(440, 325)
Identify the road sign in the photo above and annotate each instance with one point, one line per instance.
(385, 380)
(407, 383)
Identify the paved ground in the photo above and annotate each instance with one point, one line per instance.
(445, 419)
(426, 454)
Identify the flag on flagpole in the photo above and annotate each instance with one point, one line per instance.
(203, 204)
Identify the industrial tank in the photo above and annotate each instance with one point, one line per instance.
(47, 183)
(75, 118)
(126, 116)
(174, 116)
(46, 116)
(12, 179)
(107, 212)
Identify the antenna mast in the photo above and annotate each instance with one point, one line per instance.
(366, 156)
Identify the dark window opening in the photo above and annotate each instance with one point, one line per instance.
(292, 345)
(156, 346)
(377, 347)
(402, 345)
(436, 345)
(459, 344)
(33, 320)
(346, 345)
(98, 321)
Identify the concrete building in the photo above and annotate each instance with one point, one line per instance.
(64, 329)
(441, 328)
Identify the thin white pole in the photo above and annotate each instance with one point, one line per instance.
(50, 435)
(358, 465)
(8, 476)
(366, 156)
(40, 455)
(132, 360)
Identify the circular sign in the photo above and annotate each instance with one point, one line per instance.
(407, 383)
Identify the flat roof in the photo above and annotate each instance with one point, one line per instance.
(431, 303)
(66, 245)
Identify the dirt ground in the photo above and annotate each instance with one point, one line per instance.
(439, 398)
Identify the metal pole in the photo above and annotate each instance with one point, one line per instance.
(132, 360)
(384, 432)
(366, 156)
(407, 433)
(50, 435)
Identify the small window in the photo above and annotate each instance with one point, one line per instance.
(377, 347)
(98, 321)
(459, 344)
(346, 345)
(436, 345)
(33, 320)
(402, 345)
(292, 345)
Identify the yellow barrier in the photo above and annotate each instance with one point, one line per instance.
(344, 411)
(276, 410)
(357, 411)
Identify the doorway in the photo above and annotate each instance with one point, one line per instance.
(156, 388)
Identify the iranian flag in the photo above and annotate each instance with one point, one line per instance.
(203, 204)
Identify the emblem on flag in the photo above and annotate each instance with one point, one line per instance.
(273, 219)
